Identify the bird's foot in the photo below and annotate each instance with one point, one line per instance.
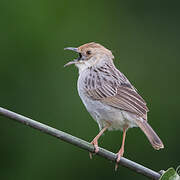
(119, 155)
(96, 147)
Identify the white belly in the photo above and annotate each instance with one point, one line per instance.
(104, 114)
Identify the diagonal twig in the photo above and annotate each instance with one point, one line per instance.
(80, 143)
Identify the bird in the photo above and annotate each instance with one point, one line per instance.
(109, 97)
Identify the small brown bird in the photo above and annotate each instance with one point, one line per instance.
(109, 96)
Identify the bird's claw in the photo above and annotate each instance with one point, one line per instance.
(96, 148)
(119, 155)
(117, 161)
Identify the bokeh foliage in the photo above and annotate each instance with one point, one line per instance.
(143, 36)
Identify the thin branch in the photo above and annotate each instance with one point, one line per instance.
(80, 143)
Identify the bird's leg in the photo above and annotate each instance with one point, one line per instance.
(94, 142)
(121, 151)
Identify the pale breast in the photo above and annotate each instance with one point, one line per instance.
(102, 113)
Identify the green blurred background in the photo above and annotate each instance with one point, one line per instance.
(144, 36)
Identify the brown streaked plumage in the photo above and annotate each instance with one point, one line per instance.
(109, 96)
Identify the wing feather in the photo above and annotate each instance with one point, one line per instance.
(115, 90)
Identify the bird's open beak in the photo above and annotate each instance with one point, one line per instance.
(71, 49)
(75, 60)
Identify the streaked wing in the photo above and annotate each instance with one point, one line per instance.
(114, 89)
(129, 100)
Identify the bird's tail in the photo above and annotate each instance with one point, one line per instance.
(151, 135)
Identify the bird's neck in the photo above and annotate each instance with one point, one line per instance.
(94, 62)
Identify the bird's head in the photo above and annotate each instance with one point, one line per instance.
(90, 54)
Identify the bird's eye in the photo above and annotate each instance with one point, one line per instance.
(88, 52)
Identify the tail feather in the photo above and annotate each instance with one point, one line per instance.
(151, 135)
